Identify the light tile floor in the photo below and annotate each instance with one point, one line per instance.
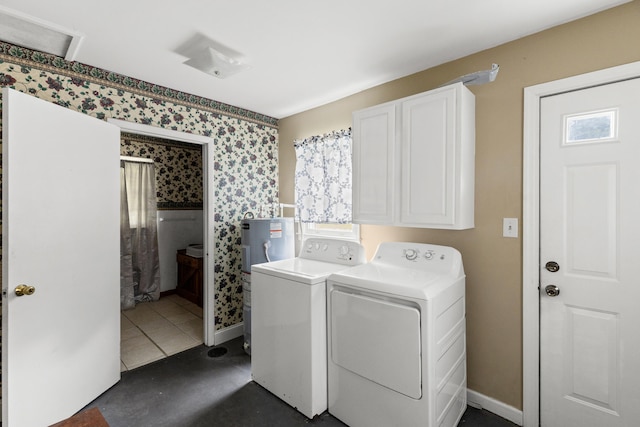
(154, 330)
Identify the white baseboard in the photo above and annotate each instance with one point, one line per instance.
(503, 410)
(226, 334)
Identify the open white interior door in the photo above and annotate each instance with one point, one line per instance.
(60, 212)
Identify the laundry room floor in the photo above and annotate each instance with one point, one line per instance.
(199, 387)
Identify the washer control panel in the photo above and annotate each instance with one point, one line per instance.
(333, 250)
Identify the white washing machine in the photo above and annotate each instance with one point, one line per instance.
(289, 321)
(396, 343)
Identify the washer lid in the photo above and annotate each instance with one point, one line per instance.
(301, 270)
(394, 280)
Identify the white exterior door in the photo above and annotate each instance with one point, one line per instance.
(589, 212)
(61, 345)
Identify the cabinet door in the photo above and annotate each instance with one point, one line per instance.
(428, 159)
(374, 154)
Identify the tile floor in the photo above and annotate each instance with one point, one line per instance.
(154, 330)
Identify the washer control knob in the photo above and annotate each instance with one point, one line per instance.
(411, 254)
(344, 250)
(429, 255)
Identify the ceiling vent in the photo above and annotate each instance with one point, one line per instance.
(36, 34)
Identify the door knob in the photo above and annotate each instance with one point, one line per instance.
(552, 290)
(22, 290)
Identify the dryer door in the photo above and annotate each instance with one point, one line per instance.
(378, 340)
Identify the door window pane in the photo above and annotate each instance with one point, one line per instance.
(590, 127)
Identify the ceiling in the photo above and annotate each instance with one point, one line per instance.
(301, 53)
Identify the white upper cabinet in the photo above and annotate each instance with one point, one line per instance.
(373, 164)
(413, 161)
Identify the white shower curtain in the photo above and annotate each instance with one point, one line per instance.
(139, 261)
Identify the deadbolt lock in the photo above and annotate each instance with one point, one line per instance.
(552, 266)
(22, 290)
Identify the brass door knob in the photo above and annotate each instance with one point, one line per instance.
(22, 290)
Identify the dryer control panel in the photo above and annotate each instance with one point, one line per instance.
(429, 254)
(420, 256)
(336, 251)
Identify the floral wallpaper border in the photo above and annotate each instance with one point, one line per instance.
(56, 64)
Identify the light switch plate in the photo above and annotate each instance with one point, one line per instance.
(509, 227)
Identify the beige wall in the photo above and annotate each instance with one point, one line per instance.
(493, 264)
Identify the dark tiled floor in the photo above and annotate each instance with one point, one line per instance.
(192, 389)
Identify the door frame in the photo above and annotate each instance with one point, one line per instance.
(208, 208)
(531, 223)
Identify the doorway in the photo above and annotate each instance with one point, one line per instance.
(208, 296)
(532, 220)
(152, 328)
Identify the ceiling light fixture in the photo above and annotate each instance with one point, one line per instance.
(216, 63)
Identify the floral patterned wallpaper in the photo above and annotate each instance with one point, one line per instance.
(178, 169)
(246, 143)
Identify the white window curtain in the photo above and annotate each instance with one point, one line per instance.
(323, 178)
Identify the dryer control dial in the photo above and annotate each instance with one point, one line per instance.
(410, 254)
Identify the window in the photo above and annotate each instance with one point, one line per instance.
(594, 126)
(323, 185)
(338, 231)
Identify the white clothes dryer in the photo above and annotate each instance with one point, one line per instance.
(396, 344)
(289, 321)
